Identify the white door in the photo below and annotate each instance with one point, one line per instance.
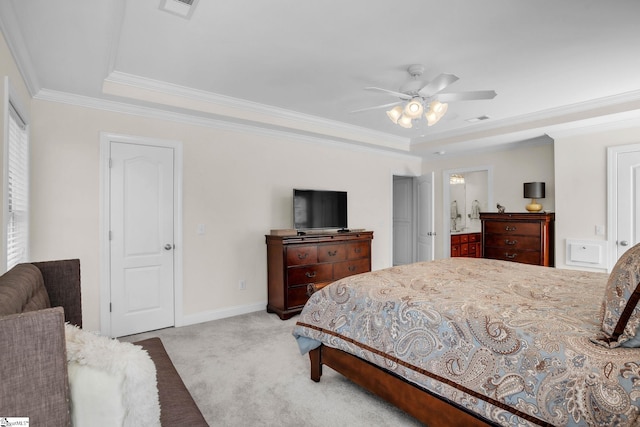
(425, 220)
(627, 233)
(141, 237)
(403, 234)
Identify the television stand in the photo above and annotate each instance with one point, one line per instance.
(343, 230)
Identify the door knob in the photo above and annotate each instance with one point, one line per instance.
(624, 243)
(168, 247)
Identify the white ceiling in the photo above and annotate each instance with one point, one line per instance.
(303, 66)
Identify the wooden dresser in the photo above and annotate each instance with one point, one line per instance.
(521, 237)
(299, 265)
(466, 245)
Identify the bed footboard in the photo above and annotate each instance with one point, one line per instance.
(424, 406)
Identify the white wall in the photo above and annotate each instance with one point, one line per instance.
(581, 180)
(511, 168)
(239, 184)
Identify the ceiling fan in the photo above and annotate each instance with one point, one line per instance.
(424, 97)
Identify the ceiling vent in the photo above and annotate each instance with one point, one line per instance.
(478, 119)
(183, 8)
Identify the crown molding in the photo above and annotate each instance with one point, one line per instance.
(180, 96)
(215, 123)
(609, 123)
(561, 118)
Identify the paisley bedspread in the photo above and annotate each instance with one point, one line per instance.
(509, 341)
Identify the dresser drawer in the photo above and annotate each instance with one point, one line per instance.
(358, 250)
(312, 288)
(472, 250)
(298, 255)
(332, 253)
(349, 268)
(310, 274)
(509, 227)
(526, 257)
(512, 241)
(297, 296)
(464, 250)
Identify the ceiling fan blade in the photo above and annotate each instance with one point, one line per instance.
(398, 94)
(466, 96)
(437, 84)
(376, 107)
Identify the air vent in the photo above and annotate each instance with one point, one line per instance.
(183, 8)
(478, 119)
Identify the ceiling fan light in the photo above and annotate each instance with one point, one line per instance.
(405, 122)
(442, 110)
(413, 109)
(437, 109)
(395, 113)
(437, 106)
(432, 118)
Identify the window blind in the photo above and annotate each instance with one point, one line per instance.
(17, 190)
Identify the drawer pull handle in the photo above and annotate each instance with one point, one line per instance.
(510, 242)
(303, 255)
(352, 268)
(507, 228)
(357, 250)
(311, 289)
(310, 274)
(332, 253)
(510, 256)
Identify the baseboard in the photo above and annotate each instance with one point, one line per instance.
(207, 316)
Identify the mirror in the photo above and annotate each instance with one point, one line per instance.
(466, 193)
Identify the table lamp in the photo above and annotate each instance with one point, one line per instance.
(533, 191)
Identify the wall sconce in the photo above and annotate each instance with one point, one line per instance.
(533, 191)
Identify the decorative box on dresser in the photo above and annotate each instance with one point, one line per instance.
(300, 265)
(521, 237)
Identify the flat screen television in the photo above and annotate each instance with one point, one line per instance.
(319, 209)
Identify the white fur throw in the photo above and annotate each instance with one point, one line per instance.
(111, 382)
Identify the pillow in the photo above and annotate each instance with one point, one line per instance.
(22, 289)
(621, 319)
(111, 382)
(95, 397)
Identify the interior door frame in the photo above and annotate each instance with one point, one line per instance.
(414, 214)
(417, 212)
(106, 139)
(612, 199)
(446, 200)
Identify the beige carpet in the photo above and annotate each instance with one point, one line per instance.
(247, 371)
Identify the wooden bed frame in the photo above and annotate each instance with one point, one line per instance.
(419, 403)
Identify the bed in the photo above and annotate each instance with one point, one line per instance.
(471, 341)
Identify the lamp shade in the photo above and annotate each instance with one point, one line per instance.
(395, 113)
(405, 122)
(413, 109)
(534, 190)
